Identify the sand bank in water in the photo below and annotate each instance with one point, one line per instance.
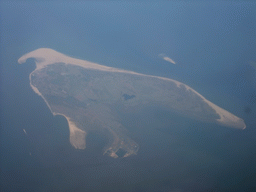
(46, 56)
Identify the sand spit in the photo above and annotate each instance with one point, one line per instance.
(46, 56)
(77, 136)
(166, 58)
(169, 60)
(25, 131)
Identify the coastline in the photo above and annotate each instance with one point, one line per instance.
(77, 136)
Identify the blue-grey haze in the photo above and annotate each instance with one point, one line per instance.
(212, 44)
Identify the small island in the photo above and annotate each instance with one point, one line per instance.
(87, 93)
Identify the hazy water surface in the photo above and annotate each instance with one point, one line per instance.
(211, 44)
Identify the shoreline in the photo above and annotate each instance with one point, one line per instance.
(74, 131)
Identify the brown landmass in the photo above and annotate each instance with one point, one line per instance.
(86, 94)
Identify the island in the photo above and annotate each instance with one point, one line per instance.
(87, 95)
(166, 58)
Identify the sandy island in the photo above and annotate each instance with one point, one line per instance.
(166, 58)
(46, 56)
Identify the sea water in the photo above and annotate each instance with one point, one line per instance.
(176, 153)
